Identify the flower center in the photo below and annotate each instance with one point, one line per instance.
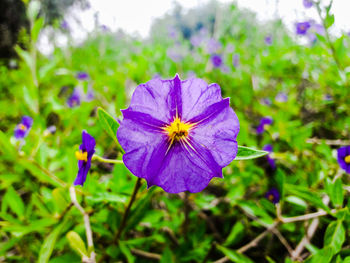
(347, 159)
(177, 129)
(81, 156)
(271, 197)
(22, 127)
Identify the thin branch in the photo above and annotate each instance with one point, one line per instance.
(88, 231)
(104, 160)
(328, 142)
(251, 244)
(283, 240)
(127, 210)
(305, 217)
(144, 254)
(310, 232)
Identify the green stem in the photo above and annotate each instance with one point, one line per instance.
(104, 160)
(127, 210)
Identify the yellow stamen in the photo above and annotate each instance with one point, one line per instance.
(22, 127)
(177, 130)
(347, 159)
(271, 197)
(81, 156)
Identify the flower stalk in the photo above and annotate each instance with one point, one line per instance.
(127, 210)
(104, 160)
(88, 231)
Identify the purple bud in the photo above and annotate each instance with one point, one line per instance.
(268, 40)
(216, 60)
(82, 75)
(273, 196)
(307, 3)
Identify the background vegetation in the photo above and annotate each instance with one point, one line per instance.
(301, 82)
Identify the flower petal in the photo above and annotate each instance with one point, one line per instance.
(197, 96)
(88, 143)
(82, 173)
(218, 135)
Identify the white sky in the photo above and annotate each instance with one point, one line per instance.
(136, 16)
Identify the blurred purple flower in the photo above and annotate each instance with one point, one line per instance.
(344, 158)
(104, 28)
(216, 60)
(64, 25)
(302, 27)
(273, 196)
(266, 101)
(307, 3)
(270, 160)
(22, 129)
(263, 122)
(50, 130)
(281, 97)
(196, 40)
(174, 54)
(84, 155)
(268, 40)
(213, 46)
(327, 97)
(178, 134)
(172, 32)
(90, 95)
(81, 75)
(75, 98)
(235, 60)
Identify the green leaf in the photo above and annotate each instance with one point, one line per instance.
(321, 256)
(126, 251)
(235, 235)
(14, 201)
(38, 24)
(233, 255)
(246, 153)
(49, 243)
(77, 243)
(335, 236)
(329, 21)
(109, 124)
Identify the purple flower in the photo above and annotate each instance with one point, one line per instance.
(235, 60)
(281, 97)
(64, 25)
(263, 122)
(90, 95)
(82, 75)
(273, 195)
(74, 99)
(307, 3)
(268, 40)
(172, 32)
(22, 129)
(270, 160)
(213, 46)
(344, 158)
(302, 27)
(177, 134)
(216, 60)
(327, 97)
(266, 101)
(196, 40)
(84, 155)
(174, 54)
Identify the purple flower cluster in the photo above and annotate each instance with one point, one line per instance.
(263, 122)
(344, 158)
(22, 129)
(178, 134)
(84, 155)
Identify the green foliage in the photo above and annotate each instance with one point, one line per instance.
(38, 221)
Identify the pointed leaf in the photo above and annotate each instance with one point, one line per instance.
(246, 153)
(234, 255)
(335, 235)
(109, 124)
(77, 243)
